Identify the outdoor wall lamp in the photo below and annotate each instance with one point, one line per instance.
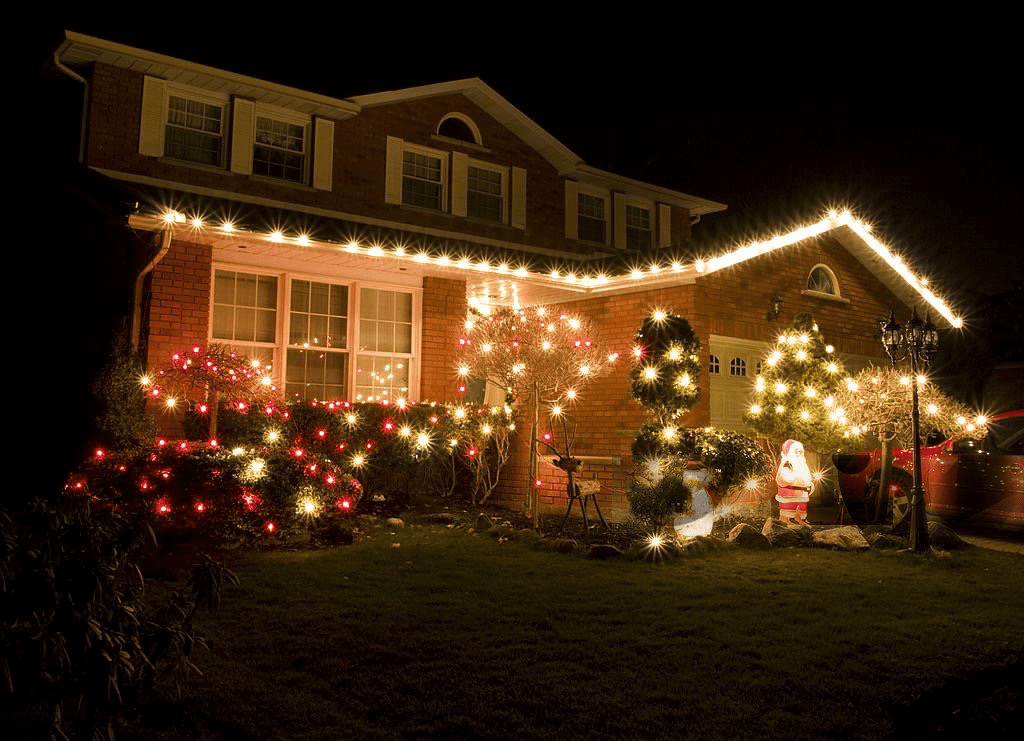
(918, 341)
(774, 308)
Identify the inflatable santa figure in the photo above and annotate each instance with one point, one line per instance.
(795, 483)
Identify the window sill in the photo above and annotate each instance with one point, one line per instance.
(461, 143)
(824, 296)
(193, 165)
(282, 181)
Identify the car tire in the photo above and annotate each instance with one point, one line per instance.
(897, 507)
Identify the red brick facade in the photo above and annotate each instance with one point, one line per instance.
(730, 303)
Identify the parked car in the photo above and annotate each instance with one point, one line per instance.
(966, 481)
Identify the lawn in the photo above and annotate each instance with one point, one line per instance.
(434, 632)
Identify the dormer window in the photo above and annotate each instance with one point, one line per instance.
(822, 280)
(461, 127)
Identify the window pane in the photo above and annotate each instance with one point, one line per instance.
(299, 329)
(367, 334)
(403, 307)
(300, 295)
(337, 333)
(224, 287)
(386, 305)
(266, 330)
(368, 303)
(319, 302)
(339, 300)
(223, 322)
(266, 292)
(403, 338)
(245, 323)
(245, 289)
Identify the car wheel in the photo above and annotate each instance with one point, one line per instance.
(897, 505)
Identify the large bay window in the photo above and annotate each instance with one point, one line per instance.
(325, 355)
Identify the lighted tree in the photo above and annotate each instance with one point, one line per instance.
(878, 401)
(664, 378)
(201, 377)
(538, 357)
(795, 392)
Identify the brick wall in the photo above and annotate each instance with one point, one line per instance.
(733, 303)
(359, 164)
(444, 310)
(179, 310)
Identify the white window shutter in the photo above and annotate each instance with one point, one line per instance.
(323, 153)
(460, 182)
(518, 198)
(243, 135)
(393, 171)
(572, 225)
(664, 225)
(619, 209)
(154, 117)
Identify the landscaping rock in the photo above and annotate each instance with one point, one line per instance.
(942, 538)
(528, 535)
(441, 518)
(501, 531)
(558, 545)
(781, 536)
(847, 538)
(746, 536)
(336, 535)
(887, 541)
(699, 545)
(483, 522)
(603, 551)
(395, 522)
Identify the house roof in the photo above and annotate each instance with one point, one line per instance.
(79, 49)
(568, 163)
(499, 274)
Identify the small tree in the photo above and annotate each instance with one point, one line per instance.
(665, 378)
(878, 401)
(537, 356)
(794, 393)
(204, 376)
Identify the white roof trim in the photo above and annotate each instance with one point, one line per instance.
(81, 49)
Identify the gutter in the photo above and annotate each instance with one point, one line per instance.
(165, 245)
(85, 98)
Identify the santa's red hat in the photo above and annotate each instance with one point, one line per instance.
(786, 446)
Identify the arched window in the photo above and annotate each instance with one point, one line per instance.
(737, 367)
(713, 365)
(822, 280)
(459, 126)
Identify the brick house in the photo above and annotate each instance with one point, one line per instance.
(342, 240)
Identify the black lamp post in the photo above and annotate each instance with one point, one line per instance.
(918, 341)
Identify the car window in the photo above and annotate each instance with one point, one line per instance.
(1004, 433)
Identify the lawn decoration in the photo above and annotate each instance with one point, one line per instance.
(537, 357)
(795, 484)
(677, 469)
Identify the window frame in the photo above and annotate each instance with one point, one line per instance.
(173, 90)
(834, 296)
(444, 165)
(278, 350)
(285, 116)
(503, 172)
(638, 204)
(601, 195)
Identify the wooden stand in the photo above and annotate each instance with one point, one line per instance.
(579, 491)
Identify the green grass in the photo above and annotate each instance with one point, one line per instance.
(454, 635)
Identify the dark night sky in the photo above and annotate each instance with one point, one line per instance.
(913, 128)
